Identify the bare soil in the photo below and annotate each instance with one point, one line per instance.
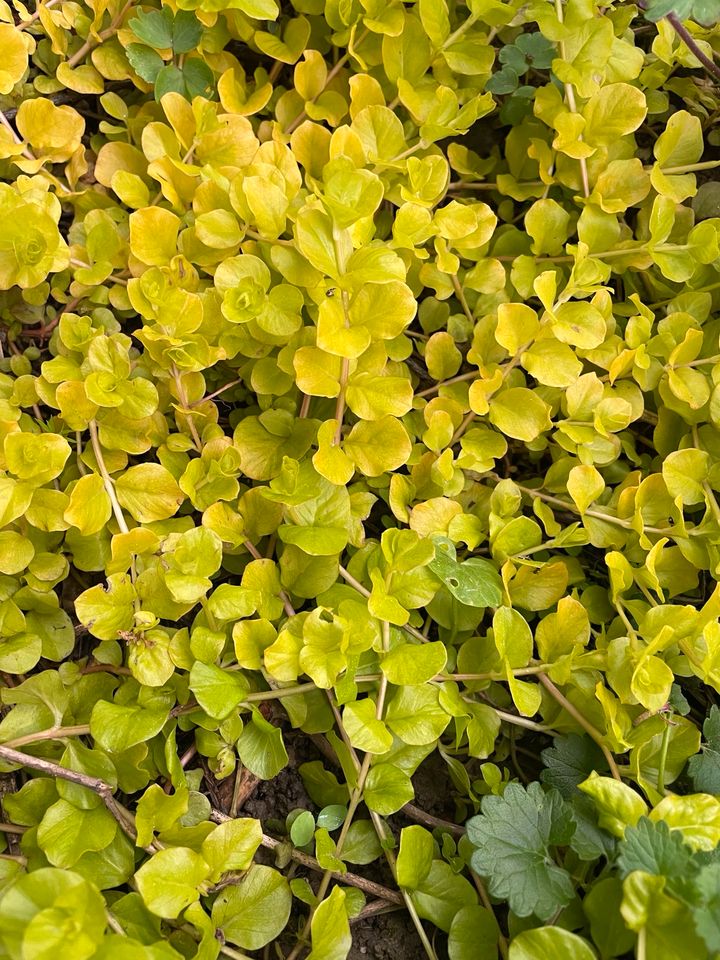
(389, 936)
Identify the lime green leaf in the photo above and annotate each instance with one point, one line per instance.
(520, 413)
(585, 484)
(473, 929)
(415, 856)
(361, 845)
(48, 911)
(617, 109)
(414, 714)
(89, 508)
(65, 833)
(365, 731)
(618, 805)
(379, 446)
(410, 664)
(330, 929)
(231, 846)
(255, 911)
(15, 59)
(170, 880)
(153, 235)
(107, 612)
(387, 789)
(149, 492)
(36, 457)
(696, 816)
(217, 691)
(16, 552)
(117, 728)
(550, 941)
(442, 894)
(668, 924)
(261, 748)
(158, 811)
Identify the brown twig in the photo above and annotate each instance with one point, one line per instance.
(374, 909)
(689, 41)
(216, 393)
(460, 294)
(52, 733)
(471, 375)
(420, 816)
(305, 860)
(35, 16)
(687, 38)
(124, 819)
(43, 332)
(106, 668)
(90, 44)
(246, 783)
(11, 828)
(487, 903)
(304, 406)
(99, 787)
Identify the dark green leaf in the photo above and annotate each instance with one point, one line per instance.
(303, 828)
(602, 908)
(538, 51)
(704, 767)
(512, 56)
(199, 80)
(569, 761)
(513, 839)
(169, 80)
(154, 28)
(704, 12)
(589, 841)
(186, 31)
(504, 81)
(475, 582)
(332, 816)
(145, 62)
(707, 914)
(654, 848)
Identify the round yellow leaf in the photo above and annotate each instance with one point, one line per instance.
(14, 60)
(53, 132)
(377, 446)
(520, 413)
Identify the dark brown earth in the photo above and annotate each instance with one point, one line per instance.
(389, 936)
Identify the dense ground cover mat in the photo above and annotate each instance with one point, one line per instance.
(359, 478)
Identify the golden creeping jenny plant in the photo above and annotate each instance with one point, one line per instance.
(360, 386)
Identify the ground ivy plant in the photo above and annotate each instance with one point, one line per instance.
(359, 429)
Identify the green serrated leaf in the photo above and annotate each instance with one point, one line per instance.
(512, 839)
(154, 27)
